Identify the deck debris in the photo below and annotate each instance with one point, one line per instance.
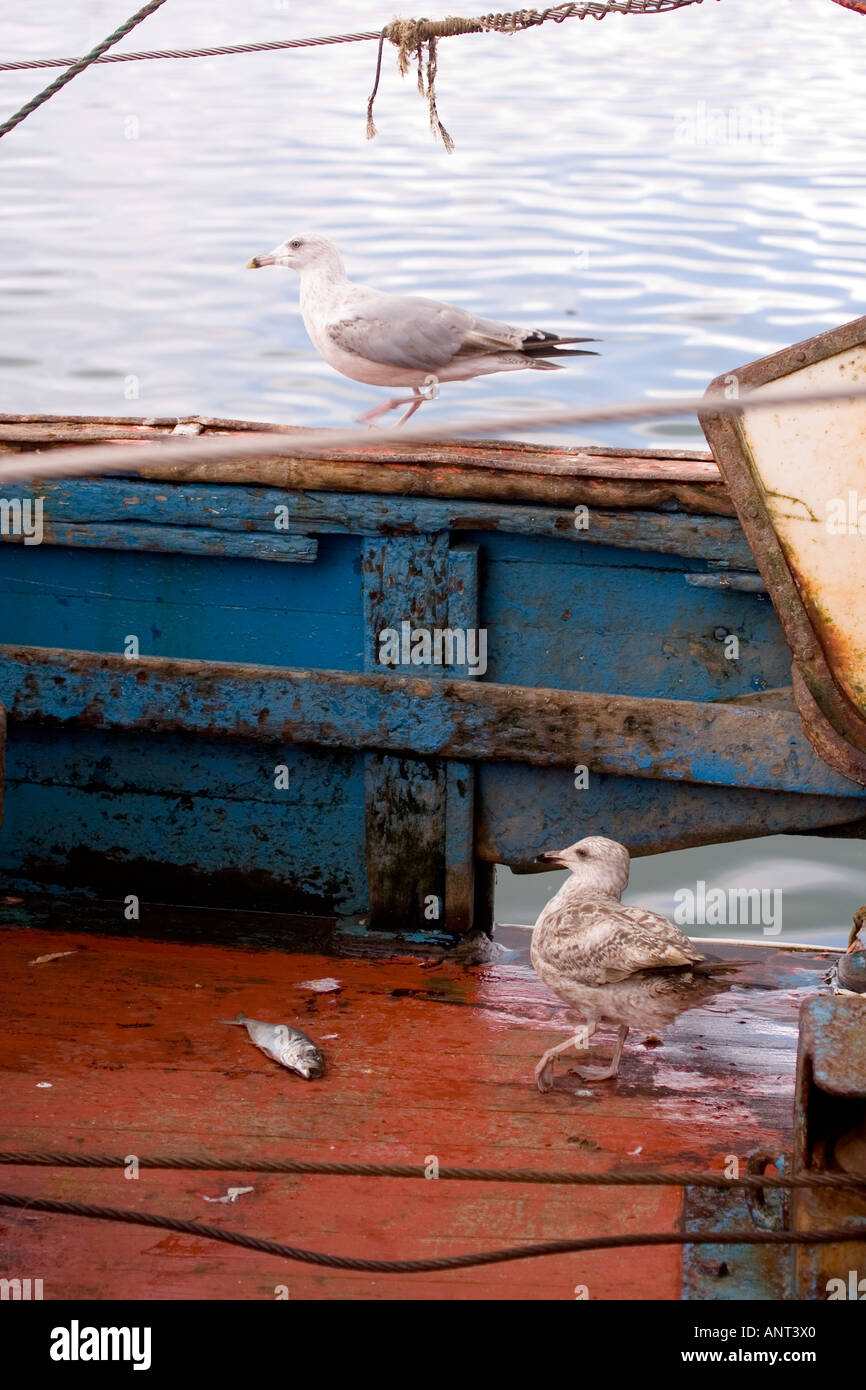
(53, 955)
(288, 1046)
(327, 985)
(232, 1194)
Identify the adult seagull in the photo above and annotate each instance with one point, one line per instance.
(403, 340)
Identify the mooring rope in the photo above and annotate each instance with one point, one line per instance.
(78, 66)
(218, 51)
(486, 1257)
(413, 38)
(645, 1177)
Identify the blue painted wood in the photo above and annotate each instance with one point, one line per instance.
(193, 606)
(178, 540)
(630, 627)
(463, 906)
(523, 810)
(405, 580)
(174, 819)
(194, 815)
(228, 507)
(741, 744)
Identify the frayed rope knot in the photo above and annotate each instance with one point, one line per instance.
(415, 40)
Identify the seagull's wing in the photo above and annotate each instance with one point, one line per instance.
(425, 335)
(403, 331)
(618, 941)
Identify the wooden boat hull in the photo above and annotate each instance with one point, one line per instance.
(199, 714)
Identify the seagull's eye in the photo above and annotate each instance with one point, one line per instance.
(295, 245)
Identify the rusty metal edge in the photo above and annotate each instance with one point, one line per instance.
(831, 722)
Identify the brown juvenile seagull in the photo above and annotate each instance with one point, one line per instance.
(615, 964)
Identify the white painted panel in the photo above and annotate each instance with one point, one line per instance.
(811, 462)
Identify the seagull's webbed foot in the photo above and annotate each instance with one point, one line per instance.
(544, 1068)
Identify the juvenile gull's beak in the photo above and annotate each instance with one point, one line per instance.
(256, 261)
(550, 856)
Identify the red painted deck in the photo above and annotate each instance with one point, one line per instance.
(424, 1061)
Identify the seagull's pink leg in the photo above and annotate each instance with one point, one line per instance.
(544, 1068)
(418, 400)
(605, 1073)
(395, 401)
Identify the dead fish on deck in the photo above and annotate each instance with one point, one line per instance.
(288, 1046)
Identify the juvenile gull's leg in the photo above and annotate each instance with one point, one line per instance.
(605, 1073)
(544, 1068)
(392, 404)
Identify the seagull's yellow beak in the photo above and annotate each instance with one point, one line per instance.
(256, 262)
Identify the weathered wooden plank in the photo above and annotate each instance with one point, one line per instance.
(111, 500)
(683, 465)
(567, 488)
(190, 606)
(405, 579)
(492, 469)
(728, 745)
(524, 809)
(622, 625)
(177, 540)
(460, 894)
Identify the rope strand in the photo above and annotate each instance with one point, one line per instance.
(78, 66)
(645, 1177)
(486, 1257)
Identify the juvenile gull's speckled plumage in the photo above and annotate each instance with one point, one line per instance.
(613, 963)
(400, 339)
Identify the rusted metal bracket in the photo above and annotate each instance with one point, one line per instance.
(830, 1136)
(733, 1272)
(783, 473)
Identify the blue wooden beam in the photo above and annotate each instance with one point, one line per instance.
(734, 745)
(233, 507)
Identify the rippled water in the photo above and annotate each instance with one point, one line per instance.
(691, 188)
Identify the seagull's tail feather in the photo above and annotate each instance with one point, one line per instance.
(541, 345)
(563, 352)
(710, 966)
(548, 344)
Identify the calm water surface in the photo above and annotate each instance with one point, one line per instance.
(691, 188)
